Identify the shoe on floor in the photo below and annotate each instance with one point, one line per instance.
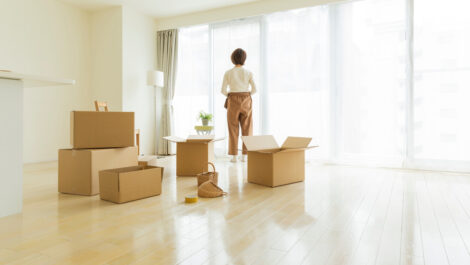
(243, 158)
(234, 159)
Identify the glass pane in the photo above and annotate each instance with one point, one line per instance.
(370, 77)
(442, 80)
(193, 79)
(297, 85)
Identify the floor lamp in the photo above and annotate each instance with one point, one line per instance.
(156, 79)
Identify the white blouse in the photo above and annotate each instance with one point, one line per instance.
(238, 79)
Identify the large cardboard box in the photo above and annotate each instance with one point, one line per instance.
(130, 183)
(193, 153)
(271, 165)
(93, 129)
(79, 169)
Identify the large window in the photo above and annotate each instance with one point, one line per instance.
(193, 78)
(442, 80)
(296, 90)
(370, 73)
(382, 82)
(226, 37)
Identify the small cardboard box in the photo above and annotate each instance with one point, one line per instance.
(193, 153)
(79, 169)
(130, 183)
(147, 160)
(271, 165)
(93, 129)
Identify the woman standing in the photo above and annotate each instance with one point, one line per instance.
(238, 103)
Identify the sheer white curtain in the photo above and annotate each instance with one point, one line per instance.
(297, 76)
(370, 81)
(442, 80)
(193, 79)
(342, 74)
(226, 37)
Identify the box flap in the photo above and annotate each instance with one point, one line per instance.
(311, 147)
(296, 142)
(174, 139)
(296, 149)
(218, 139)
(200, 138)
(268, 151)
(260, 142)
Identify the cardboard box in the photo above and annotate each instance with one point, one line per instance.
(79, 169)
(147, 160)
(92, 129)
(193, 153)
(271, 165)
(130, 183)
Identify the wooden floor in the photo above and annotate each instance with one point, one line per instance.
(339, 215)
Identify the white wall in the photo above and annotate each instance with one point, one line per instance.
(106, 52)
(123, 51)
(139, 57)
(50, 38)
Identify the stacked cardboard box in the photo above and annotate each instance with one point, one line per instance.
(94, 129)
(100, 141)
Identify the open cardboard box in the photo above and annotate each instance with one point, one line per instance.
(130, 183)
(79, 169)
(93, 129)
(193, 153)
(271, 165)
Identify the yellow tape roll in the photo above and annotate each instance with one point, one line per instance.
(190, 199)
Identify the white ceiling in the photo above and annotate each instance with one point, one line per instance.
(159, 8)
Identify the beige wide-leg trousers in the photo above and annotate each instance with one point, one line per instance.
(239, 114)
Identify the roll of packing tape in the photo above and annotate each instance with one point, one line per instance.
(190, 199)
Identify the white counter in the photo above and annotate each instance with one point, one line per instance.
(34, 80)
(11, 135)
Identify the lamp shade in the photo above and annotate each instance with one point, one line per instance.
(155, 78)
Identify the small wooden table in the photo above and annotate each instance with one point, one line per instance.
(204, 129)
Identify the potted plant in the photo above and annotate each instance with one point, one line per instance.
(205, 118)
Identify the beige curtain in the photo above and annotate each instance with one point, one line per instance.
(167, 57)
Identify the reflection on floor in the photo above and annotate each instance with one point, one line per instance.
(339, 215)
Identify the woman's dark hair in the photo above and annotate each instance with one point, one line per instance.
(238, 56)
